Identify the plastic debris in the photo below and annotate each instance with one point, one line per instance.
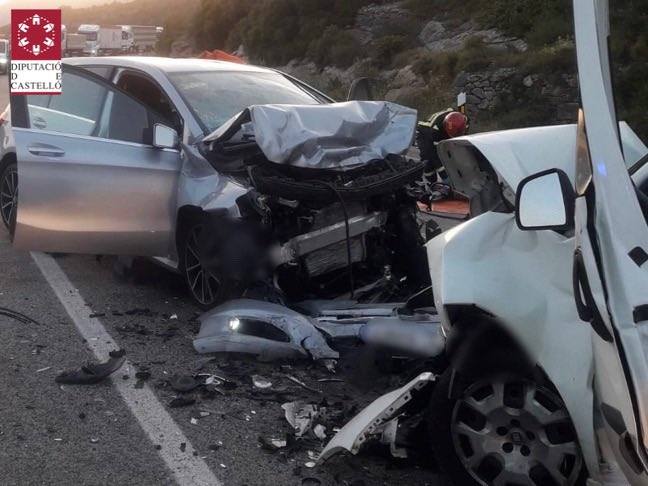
(272, 444)
(93, 373)
(261, 382)
(300, 416)
(320, 431)
(302, 384)
(183, 383)
(17, 316)
(179, 402)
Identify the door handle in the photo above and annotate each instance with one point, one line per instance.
(585, 303)
(46, 151)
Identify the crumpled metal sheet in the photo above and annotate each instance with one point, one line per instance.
(333, 136)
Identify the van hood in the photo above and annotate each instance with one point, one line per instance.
(505, 158)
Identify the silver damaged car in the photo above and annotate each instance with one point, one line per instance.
(241, 178)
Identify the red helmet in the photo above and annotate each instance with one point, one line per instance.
(455, 124)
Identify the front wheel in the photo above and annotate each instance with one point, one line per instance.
(9, 195)
(207, 285)
(503, 430)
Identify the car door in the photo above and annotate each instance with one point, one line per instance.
(90, 179)
(610, 262)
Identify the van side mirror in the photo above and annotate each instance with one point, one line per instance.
(545, 201)
(164, 137)
(361, 90)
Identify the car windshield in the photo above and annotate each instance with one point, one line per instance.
(216, 96)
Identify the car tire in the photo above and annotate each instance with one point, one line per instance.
(9, 195)
(507, 434)
(207, 287)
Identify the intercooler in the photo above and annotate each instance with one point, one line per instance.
(324, 248)
(334, 256)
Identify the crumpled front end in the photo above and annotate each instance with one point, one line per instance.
(330, 189)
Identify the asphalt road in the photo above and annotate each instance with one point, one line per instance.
(124, 432)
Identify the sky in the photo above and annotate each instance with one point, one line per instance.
(7, 5)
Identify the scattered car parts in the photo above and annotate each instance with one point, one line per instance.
(371, 420)
(300, 416)
(92, 373)
(270, 331)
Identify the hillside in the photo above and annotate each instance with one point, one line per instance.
(146, 12)
(514, 58)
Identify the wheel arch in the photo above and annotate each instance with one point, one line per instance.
(476, 333)
(479, 342)
(187, 216)
(8, 158)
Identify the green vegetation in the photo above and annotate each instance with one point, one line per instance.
(275, 32)
(138, 12)
(630, 59)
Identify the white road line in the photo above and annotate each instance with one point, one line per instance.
(147, 409)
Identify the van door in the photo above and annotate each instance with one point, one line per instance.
(611, 257)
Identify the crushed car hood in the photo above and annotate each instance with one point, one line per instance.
(516, 154)
(337, 136)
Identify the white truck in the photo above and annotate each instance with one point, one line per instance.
(101, 40)
(72, 44)
(139, 38)
(4, 56)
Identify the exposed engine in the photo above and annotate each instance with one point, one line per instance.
(328, 212)
(331, 241)
(329, 233)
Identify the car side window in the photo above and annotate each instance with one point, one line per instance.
(151, 95)
(103, 71)
(75, 111)
(86, 107)
(126, 120)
